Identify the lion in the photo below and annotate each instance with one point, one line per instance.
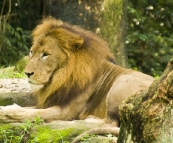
(74, 75)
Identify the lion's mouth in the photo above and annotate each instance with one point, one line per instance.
(35, 87)
(34, 82)
(30, 82)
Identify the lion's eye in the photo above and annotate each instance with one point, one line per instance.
(45, 55)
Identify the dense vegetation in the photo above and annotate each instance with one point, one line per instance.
(149, 35)
(17, 18)
(149, 31)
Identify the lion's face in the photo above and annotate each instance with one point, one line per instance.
(64, 55)
(46, 57)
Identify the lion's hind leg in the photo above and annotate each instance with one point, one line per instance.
(107, 128)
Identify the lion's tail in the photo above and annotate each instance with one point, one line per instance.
(98, 131)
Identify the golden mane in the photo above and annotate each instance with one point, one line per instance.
(84, 63)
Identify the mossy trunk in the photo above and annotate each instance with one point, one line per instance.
(113, 29)
(147, 117)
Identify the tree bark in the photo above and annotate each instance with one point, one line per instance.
(106, 18)
(84, 13)
(113, 29)
(147, 116)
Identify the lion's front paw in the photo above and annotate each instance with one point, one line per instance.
(12, 113)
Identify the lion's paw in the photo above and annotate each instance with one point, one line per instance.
(11, 113)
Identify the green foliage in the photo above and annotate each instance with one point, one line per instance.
(149, 37)
(13, 75)
(20, 133)
(86, 138)
(17, 19)
(21, 64)
(15, 44)
(31, 132)
(46, 135)
(9, 73)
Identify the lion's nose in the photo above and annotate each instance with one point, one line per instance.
(29, 74)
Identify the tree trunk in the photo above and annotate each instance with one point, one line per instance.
(113, 29)
(147, 117)
(85, 13)
(106, 18)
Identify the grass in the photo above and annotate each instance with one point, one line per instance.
(10, 73)
(32, 132)
(20, 133)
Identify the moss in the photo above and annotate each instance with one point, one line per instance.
(6, 130)
(47, 135)
(5, 126)
(9, 101)
(21, 98)
(20, 65)
(36, 132)
(6, 101)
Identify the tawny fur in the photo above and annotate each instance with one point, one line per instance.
(73, 74)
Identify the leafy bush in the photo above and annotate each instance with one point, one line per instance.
(17, 19)
(149, 37)
(14, 44)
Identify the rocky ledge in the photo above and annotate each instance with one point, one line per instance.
(14, 85)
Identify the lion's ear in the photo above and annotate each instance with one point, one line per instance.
(77, 42)
(68, 39)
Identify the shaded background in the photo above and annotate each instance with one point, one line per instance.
(139, 32)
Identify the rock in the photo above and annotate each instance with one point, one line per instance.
(14, 85)
(21, 98)
(18, 91)
(21, 64)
